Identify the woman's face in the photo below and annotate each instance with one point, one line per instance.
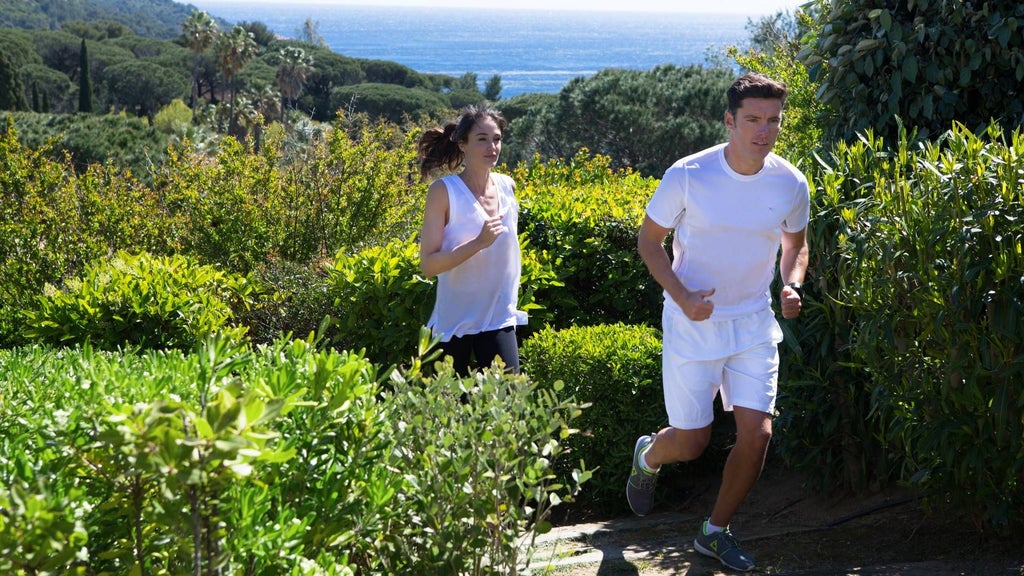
(483, 143)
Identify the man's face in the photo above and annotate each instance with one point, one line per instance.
(755, 127)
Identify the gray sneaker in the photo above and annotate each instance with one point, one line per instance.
(724, 546)
(640, 488)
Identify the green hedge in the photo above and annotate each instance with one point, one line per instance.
(141, 300)
(615, 371)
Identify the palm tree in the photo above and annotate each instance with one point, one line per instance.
(234, 50)
(257, 104)
(200, 31)
(292, 72)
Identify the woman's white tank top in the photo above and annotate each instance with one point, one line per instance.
(481, 293)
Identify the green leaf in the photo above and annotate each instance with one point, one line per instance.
(910, 68)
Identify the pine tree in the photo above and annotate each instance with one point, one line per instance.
(84, 81)
(492, 90)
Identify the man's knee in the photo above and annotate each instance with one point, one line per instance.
(754, 432)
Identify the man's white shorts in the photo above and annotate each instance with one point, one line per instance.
(738, 358)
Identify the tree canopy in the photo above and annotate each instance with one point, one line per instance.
(642, 119)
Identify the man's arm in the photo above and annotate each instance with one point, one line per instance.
(651, 245)
(792, 267)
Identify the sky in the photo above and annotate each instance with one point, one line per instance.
(752, 7)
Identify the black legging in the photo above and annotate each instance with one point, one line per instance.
(484, 347)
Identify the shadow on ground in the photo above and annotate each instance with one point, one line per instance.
(791, 532)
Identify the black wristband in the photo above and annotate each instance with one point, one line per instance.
(798, 288)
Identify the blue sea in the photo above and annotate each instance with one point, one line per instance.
(534, 51)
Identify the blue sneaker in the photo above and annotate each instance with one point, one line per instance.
(640, 488)
(724, 546)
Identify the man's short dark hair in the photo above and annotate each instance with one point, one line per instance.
(755, 85)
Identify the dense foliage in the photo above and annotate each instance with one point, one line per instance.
(143, 301)
(926, 62)
(586, 216)
(269, 460)
(116, 140)
(904, 367)
(237, 210)
(911, 356)
(641, 119)
(156, 18)
(623, 387)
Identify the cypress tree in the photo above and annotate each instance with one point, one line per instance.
(84, 81)
(35, 97)
(12, 93)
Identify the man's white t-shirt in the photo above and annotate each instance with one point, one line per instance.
(728, 226)
(481, 293)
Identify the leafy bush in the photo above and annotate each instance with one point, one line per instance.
(54, 221)
(282, 459)
(140, 300)
(297, 301)
(913, 359)
(382, 300)
(353, 189)
(175, 118)
(615, 372)
(925, 62)
(222, 211)
(586, 217)
(479, 457)
(347, 190)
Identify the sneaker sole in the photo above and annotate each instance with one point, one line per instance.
(636, 447)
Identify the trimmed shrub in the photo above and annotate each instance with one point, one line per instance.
(140, 300)
(614, 371)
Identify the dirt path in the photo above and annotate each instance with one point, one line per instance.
(790, 531)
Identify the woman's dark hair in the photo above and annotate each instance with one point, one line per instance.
(439, 147)
(754, 85)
